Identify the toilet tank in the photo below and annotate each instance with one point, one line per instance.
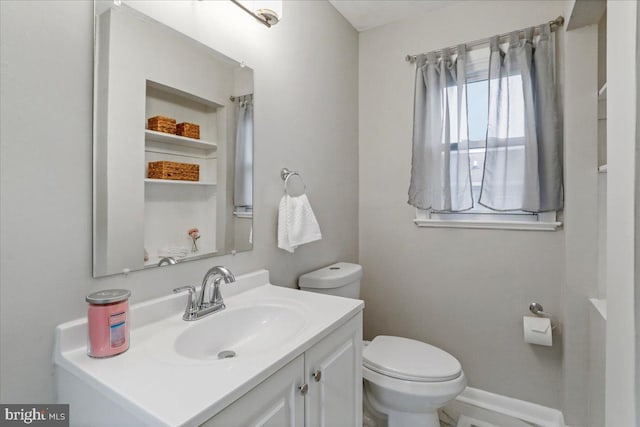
(341, 279)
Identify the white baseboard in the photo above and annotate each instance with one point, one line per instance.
(519, 409)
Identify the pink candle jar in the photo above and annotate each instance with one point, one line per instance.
(108, 318)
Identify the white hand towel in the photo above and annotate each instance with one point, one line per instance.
(297, 224)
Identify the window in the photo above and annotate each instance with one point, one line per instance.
(477, 87)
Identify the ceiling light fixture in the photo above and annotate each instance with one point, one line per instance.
(268, 12)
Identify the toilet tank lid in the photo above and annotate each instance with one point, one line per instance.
(331, 276)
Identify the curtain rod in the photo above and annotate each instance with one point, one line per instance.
(240, 97)
(555, 24)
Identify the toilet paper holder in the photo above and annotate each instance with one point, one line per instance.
(537, 309)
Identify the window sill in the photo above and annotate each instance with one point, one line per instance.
(489, 225)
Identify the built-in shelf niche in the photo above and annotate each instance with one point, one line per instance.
(172, 207)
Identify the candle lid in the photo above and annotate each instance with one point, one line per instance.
(108, 296)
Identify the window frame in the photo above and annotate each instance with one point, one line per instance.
(543, 221)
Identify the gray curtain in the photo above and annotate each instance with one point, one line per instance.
(440, 172)
(243, 179)
(523, 163)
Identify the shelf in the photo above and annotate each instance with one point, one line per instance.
(153, 260)
(602, 93)
(177, 182)
(167, 138)
(185, 96)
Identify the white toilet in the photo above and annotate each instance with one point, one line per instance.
(404, 379)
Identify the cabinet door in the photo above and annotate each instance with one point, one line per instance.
(334, 374)
(276, 402)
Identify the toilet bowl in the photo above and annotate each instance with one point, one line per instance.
(404, 379)
(408, 380)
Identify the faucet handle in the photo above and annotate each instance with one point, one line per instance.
(189, 288)
(190, 310)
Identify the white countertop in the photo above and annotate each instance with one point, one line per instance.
(174, 391)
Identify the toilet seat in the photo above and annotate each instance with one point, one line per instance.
(429, 394)
(410, 360)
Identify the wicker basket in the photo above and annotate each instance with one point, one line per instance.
(174, 170)
(162, 124)
(190, 130)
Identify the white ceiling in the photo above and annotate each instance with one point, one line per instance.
(366, 14)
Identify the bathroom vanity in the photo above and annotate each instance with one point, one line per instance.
(274, 356)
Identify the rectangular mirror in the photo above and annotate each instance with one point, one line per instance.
(173, 146)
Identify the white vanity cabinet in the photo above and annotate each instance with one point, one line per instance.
(322, 387)
(298, 363)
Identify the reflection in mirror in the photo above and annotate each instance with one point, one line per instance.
(173, 146)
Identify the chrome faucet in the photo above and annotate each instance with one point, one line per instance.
(168, 260)
(203, 306)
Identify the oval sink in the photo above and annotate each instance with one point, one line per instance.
(241, 331)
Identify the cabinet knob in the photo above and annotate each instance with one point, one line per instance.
(317, 375)
(304, 388)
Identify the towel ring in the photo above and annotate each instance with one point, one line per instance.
(285, 174)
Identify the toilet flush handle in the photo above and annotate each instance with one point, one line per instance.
(317, 375)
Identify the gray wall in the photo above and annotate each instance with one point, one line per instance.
(462, 290)
(306, 119)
